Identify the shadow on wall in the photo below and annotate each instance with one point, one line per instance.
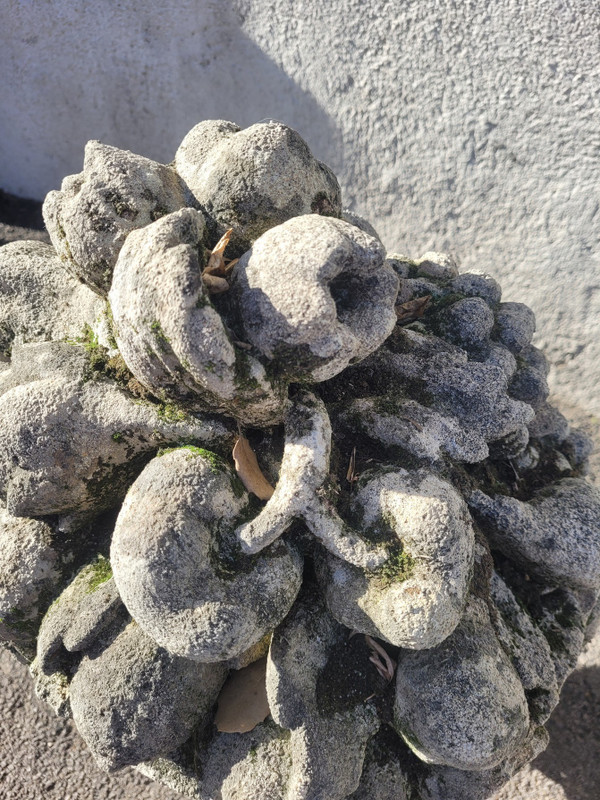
(138, 77)
(573, 755)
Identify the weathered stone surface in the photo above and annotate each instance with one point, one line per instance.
(527, 649)
(45, 360)
(416, 598)
(555, 536)
(360, 222)
(428, 391)
(178, 569)
(477, 285)
(347, 292)
(234, 766)
(28, 563)
(299, 491)
(239, 763)
(74, 444)
(529, 382)
(90, 217)
(253, 179)
(528, 459)
(468, 323)
(385, 774)
(529, 385)
(392, 771)
(85, 614)
(461, 704)
(135, 701)
(406, 424)
(511, 445)
(30, 568)
(401, 265)
(578, 447)
(252, 654)
(562, 615)
(499, 356)
(170, 335)
(443, 783)
(414, 288)
(515, 326)
(441, 377)
(488, 411)
(39, 300)
(549, 425)
(437, 265)
(198, 143)
(87, 607)
(593, 623)
(326, 761)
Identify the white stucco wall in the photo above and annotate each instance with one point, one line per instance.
(452, 124)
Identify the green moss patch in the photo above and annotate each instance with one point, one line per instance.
(170, 412)
(162, 340)
(216, 462)
(99, 572)
(398, 567)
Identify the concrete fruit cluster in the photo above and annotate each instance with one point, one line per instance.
(235, 434)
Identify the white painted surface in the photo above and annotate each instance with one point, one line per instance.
(471, 126)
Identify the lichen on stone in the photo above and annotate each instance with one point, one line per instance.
(422, 570)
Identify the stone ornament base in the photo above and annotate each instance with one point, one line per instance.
(283, 516)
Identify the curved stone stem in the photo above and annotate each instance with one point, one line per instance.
(304, 469)
(340, 539)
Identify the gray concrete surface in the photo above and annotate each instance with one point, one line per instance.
(469, 126)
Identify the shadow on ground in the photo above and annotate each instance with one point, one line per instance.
(20, 219)
(573, 755)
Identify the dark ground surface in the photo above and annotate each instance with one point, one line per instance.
(43, 758)
(20, 219)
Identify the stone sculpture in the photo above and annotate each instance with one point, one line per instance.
(404, 548)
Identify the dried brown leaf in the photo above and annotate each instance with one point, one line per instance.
(216, 262)
(387, 667)
(248, 470)
(413, 309)
(243, 702)
(351, 475)
(216, 270)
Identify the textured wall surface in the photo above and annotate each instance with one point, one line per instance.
(469, 126)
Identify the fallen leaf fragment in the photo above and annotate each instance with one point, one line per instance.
(248, 470)
(243, 345)
(351, 475)
(216, 261)
(217, 269)
(385, 668)
(243, 702)
(413, 309)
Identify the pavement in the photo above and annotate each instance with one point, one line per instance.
(44, 758)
